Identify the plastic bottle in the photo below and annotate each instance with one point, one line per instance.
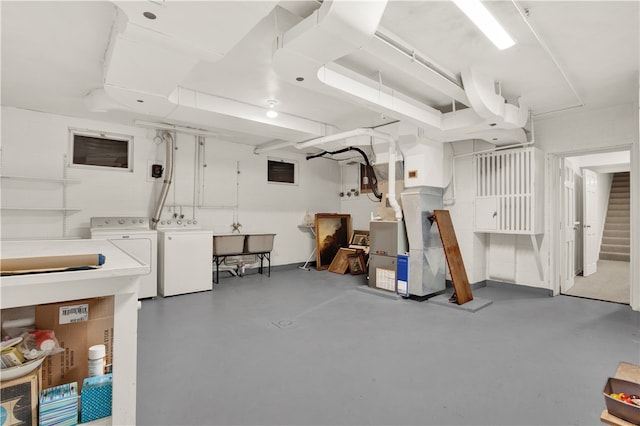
(97, 360)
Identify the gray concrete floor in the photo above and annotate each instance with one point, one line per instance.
(307, 348)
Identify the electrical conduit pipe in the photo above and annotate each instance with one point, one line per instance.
(393, 146)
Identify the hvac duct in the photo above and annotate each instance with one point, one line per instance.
(172, 46)
(309, 49)
(169, 48)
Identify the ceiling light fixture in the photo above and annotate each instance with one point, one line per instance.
(485, 21)
(272, 113)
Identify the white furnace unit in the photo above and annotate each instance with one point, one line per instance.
(427, 261)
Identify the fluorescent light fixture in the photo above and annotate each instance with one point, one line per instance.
(485, 21)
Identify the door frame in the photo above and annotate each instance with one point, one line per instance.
(588, 235)
(554, 191)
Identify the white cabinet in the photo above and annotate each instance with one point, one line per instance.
(509, 191)
(487, 213)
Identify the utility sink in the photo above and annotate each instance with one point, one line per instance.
(258, 243)
(228, 244)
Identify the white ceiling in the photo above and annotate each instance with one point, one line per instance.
(573, 54)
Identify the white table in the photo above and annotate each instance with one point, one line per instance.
(118, 277)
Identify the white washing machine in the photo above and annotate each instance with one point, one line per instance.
(185, 253)
(134, 236)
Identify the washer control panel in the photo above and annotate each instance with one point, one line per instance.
(178, 224)
(120, 222)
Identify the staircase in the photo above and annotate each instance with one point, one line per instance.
(616, 236)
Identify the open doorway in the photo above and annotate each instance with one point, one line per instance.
(595, 225)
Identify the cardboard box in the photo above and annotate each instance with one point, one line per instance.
(615, 407)
(77, 324)
(19, 399)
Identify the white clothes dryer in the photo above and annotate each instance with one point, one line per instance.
(134, 236)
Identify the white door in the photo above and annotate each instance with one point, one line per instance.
(568, 225)
(589, 214)
(578, 224)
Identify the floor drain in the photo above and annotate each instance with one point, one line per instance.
(283, 323)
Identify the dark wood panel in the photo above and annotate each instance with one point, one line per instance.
(462, 290)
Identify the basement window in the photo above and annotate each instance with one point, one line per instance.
(99, 149)
(282, 171)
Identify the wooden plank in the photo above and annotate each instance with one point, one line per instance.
(462, 289)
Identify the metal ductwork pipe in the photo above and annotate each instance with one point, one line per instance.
(168, 176)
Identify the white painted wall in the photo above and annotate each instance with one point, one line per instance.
(360, 208)
(34, 144)
(578, 130)
(460, 200)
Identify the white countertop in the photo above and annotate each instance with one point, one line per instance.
(91, 283)
(117, 262)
